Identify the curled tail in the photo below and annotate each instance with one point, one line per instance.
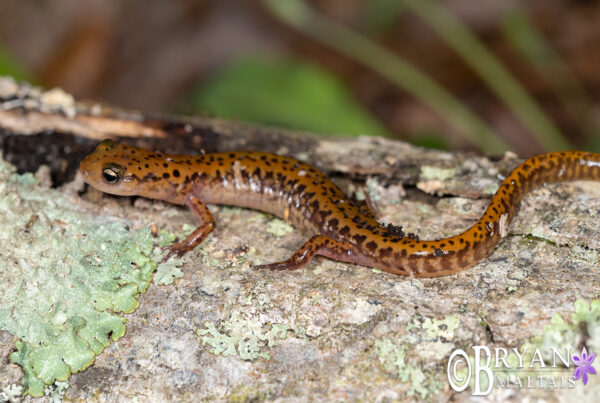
(450, 255)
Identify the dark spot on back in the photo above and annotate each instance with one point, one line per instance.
(359, 238)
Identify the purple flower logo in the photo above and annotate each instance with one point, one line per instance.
(584, 365)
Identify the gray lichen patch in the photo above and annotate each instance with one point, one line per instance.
(64, 277)
(243, 337)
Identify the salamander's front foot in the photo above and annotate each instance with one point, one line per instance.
(178, 248)
(207, 224)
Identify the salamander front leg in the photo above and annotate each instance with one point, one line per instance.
(207, 224)
(317, 245)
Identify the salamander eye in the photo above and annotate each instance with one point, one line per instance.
(112, 173)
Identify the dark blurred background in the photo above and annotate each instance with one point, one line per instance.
(490, 75)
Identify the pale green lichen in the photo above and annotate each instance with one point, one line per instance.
(168, 271)
(230, 210)
(56, 391)
(166, 238)
(442, 328)
(393, 358)
(491, 189)
(302, 156)
(279, 227)
(538, 233)
(586, 254)
(430, 172)
(11, 393)
(560, 334)
(187, 229)
(63, 277)
(435, 329)
(243, 337)
(436, 335)
(373, 188)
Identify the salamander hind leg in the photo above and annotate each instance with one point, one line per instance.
(207, 224)
(317, 245)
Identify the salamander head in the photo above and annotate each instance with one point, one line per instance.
(117, 169)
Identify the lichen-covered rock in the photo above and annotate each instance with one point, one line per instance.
(331, 331)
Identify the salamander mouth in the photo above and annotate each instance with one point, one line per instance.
(87, 170)
(83, 169)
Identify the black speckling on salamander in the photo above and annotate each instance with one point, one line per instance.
(302, 195)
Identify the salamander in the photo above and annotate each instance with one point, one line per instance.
(339, 227)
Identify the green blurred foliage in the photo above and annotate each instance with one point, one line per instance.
(593, 143)
(431, 139)
(525, 37)
(9, 66)
(284, 93)
(381, 15)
